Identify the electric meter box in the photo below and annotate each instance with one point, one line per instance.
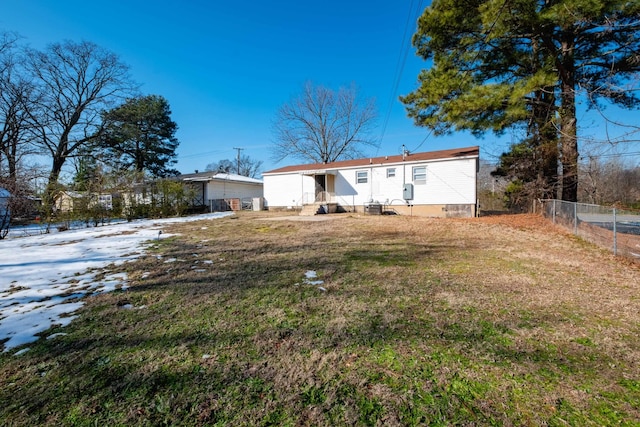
(407, 192)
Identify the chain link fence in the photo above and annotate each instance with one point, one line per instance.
(615, 229)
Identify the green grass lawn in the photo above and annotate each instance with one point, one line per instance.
(419, 322)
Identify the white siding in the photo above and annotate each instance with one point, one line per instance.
(448, 181)
(308, 190)
(219, 189)
(283, 190)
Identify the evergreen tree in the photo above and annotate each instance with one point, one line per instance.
(140, 135)
(87, 171)
(499, 64)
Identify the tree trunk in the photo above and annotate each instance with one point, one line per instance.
(568, 129)
(569, 141)
(12, 161)
(52, 185)
(546, 143)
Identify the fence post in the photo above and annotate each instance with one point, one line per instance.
(554, 211)
(575, 218)
(615, 236)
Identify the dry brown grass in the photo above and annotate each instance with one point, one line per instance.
(518, 273)
(498, 320)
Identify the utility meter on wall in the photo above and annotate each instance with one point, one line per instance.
(407, 192)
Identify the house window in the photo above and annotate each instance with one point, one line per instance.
(420, 175)
(362, 177)
(391, 172)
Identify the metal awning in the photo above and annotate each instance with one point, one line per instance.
(318, 172)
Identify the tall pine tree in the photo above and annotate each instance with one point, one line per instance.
(499, 64)
(140, 135)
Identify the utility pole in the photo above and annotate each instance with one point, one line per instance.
(239, 150)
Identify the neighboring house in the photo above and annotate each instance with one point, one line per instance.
(437, 183)
(66, 201)
(223, 191)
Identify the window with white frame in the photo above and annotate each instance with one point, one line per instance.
(391, 172)
(420, 175)
(362, 177)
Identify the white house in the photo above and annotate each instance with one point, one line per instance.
(65, 201)
(436, 183)
(223, 191)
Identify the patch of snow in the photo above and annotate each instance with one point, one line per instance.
(56, 335)
(310, 274)
(29, 302)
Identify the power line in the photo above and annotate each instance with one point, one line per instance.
(423, 141)
(466, 72)
(402, 59)
(206, 153)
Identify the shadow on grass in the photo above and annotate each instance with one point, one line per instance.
(230, 334)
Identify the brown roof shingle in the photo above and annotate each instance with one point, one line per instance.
(413, 157)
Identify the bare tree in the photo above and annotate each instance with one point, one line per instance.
(244, 165)
(7, 44)
(321, 125)
(15, 98)
(249, 167)
(224, 166)
(5, 212)
(17, 203)
(77, 81)
(610, 182)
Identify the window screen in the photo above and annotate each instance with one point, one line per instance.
(420, 175)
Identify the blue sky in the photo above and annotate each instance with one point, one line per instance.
(226, 67)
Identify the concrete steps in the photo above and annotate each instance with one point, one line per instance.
(319, 208)
(310, 210)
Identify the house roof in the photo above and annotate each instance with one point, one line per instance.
(219, 176)
(381, 161)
